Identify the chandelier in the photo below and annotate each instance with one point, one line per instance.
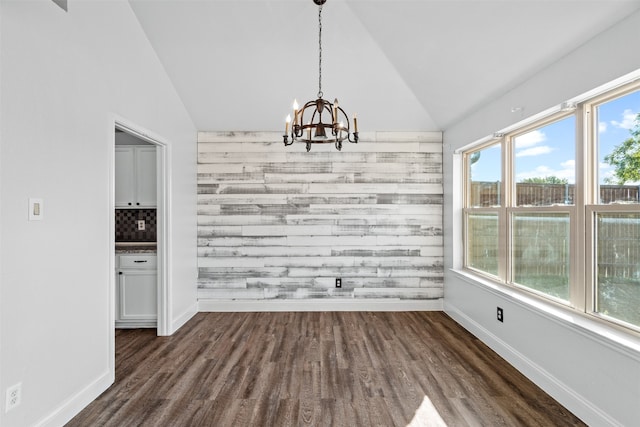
(319, 121)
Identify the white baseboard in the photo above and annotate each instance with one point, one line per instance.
(183, 318)
(570, 398)
(368, 304)
(76, 403)
(128, 324)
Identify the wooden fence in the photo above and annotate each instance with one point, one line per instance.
(619, 246)
(529, 194)
(541, 245)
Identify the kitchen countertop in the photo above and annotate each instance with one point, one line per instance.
(136, 248)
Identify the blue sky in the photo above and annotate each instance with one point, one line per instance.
(549, 151)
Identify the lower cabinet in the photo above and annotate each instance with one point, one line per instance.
(137, 291)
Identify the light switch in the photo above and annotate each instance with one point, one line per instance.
(36, 209)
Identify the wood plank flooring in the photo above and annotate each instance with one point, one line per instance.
(317, 369)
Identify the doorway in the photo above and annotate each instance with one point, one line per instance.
(145, 214)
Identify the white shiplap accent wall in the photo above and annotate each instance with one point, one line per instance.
(281, 223)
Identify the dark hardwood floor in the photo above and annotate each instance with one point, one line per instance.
(334, 369)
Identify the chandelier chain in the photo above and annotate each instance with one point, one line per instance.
(320, 51)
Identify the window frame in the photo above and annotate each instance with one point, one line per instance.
(592, 212)
(484, 209)
(510, 269)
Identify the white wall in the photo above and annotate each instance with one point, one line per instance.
(595, 377)
(63, 79)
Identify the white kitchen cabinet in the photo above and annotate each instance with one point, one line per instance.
(124, 176)
(135, 177)
(136, 292)
(146, 176)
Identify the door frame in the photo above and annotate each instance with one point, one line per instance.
(163, 235)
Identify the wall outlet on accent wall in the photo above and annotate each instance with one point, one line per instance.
(141, 225)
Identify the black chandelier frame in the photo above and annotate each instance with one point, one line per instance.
(303, 132)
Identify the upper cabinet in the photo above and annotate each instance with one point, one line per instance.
(146, 176)
(135, 178)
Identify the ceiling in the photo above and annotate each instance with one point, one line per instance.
(401, 65)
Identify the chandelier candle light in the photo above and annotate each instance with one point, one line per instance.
(308, 125)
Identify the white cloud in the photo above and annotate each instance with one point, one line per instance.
(605, 171)
(628, 120)
(534, 151)
(567, 172)
(530, 139)
(604, 166)
(602, 127)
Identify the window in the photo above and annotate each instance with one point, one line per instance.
(617, 266)
(544, 159)
(537, 220)
(485, 175)
(614, 211)
(540, 252)
(484, 172)
(618, 143)
(483, 242)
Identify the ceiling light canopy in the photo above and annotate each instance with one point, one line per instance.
(319, 121)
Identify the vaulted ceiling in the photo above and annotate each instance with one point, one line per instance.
(401, 65)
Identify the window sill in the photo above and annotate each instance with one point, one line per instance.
(600, 330)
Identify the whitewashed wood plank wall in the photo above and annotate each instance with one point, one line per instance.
(281, 223)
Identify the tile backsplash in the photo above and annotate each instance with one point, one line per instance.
(127, 225)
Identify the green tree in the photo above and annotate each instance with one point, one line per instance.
(545, 180)
(625, 158)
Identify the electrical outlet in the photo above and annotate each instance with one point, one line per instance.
(14, 395)
(500, 315)
(338, 282)
(36, 209)
(141, 225)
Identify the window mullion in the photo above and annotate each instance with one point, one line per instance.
(578, 291)
(503, 218)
